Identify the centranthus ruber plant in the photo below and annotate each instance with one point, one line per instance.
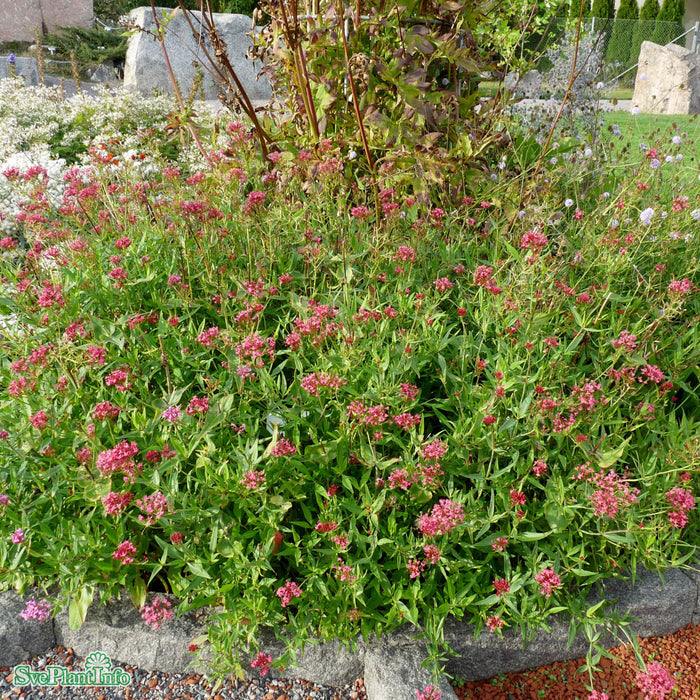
(332, 421)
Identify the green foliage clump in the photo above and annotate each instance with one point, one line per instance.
(619, 48)
(111, 11)
(648, 13)
(576, 8)
(603, 9)
(91, 45)
(669, 22)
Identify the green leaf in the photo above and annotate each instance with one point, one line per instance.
(197, 569)
(78, 607)
(607, 459)
(557, 516)
(137, 591)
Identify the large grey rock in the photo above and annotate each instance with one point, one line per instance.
(660, 607)
(394, 670)
(27, 68)
(490, 654)
(668, 80)
(21, 640)
(693, 573)
(104, 73)
(528, 85)
(118, 630)
(327, 663)
(20, 18)
(146, 70)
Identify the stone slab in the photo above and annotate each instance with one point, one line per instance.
(26, 67)
(19, 18)
(21, 640)
(668, 80)
(118, 630)
(661, 607)
(392, 666)
(146, 70)
(395, 672)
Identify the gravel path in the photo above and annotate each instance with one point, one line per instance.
(147, 685)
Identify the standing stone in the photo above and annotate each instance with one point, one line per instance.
(62, 13)
(146, 70)
(668, 80)
(19, 18)
(26, 68)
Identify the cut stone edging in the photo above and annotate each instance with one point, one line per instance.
(391, 666)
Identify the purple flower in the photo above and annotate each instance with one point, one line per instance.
(11, 59)
(18, 536)
(645, 216)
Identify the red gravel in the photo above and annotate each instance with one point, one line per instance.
(678, 652)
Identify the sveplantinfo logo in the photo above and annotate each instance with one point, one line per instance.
(98, 671)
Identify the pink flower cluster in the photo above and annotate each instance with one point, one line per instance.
(539, 467)
(36, 610)
(95, 355)
(445, 516)
(124, 552)
(483, 278)
(682, 501)
(284, 448)
(172, 414)
(252, 349)
(443, 284)
(656, 682)
(405, 253)
(207, 337)
(368, 415)
(105, 410)
(39, 420)
(262, 661)
(318, 380)
(548, 581)
(287, 592)
(626, 341)
(155, 506)
(157, 613)
(430, 692)
(344, 571)
(495, 622)
(612, 490)
(406, 420)
(318, 327)
(119, 458)
(115, 502)
(681, 287)
(408, 391)
(533, 240)
(119, 379)
(598, 695)
(252, 479)
(197, 405)
(254, 201)
(502, 587)
(499, 544)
